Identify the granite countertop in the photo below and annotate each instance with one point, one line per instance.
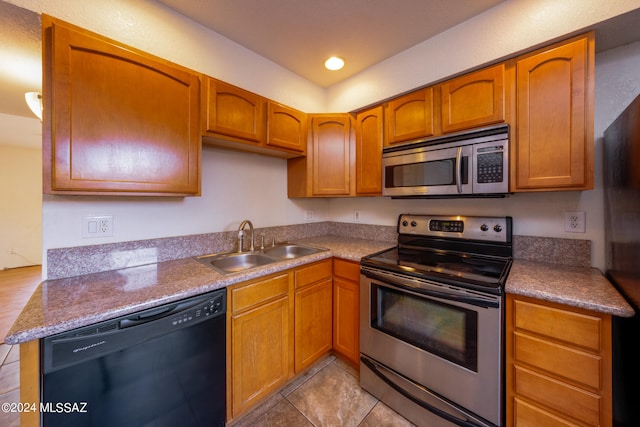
(63, 304)
(581, 287)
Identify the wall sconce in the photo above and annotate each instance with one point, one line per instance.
(34, 101)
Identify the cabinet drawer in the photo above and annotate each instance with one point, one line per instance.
(313, 273)
(575, 365)
(558, 396)
(530, 415)
(347, 269)
(246, 296)
(568, 326)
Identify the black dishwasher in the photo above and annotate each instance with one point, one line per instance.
(159, 367)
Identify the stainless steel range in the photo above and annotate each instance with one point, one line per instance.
(431, 320)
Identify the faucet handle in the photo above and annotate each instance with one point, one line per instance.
(273, 241)
(262, 242)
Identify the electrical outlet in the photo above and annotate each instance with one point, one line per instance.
(308, 215)
(575, 222)
(356, 215)
(97, 226)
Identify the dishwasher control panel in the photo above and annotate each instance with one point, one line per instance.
(214, 306)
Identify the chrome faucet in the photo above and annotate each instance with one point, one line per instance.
(241, 235)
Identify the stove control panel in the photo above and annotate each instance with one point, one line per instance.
(493, 229)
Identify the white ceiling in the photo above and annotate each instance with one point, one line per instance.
(300, 34)
(297, 34)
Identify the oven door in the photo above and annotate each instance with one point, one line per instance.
(446, 341)
(426, 171)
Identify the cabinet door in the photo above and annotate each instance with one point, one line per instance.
(331, 145)
(346, 309)
(120, 121)
(346, 324)
(234, 112)
(410, 117)
(259, 353)
(313, 305)
(473, 100)
(369, 140)
(554, 96)
(286, 128)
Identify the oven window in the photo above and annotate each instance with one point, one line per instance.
(433, 173)
(445, 330)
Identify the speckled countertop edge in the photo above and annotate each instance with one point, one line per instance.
(581, 287)
(64, 304)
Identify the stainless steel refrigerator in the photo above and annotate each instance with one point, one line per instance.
(622, 237)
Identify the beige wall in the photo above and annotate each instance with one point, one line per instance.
(236, 186)
(20, 206)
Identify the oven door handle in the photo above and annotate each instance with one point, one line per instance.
(439, 412)
(459, 298)
(459, 169)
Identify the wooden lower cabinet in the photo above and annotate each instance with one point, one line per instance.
(313, 309)
(276, 327)
(346, 309)
(558, 365)
(261, 340)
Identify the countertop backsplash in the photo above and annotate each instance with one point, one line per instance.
(569, 252)
(79, 260)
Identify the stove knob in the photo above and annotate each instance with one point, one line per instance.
(484, 227)
(405, 223)
(413, 223)
(497, 228)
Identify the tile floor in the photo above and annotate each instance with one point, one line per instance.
(328, 395)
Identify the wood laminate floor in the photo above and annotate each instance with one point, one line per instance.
(16, 287)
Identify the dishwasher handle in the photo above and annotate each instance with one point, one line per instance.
(153, 315)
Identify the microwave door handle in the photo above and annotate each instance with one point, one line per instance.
(459, 169)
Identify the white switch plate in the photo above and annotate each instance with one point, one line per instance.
(308, 215)
(356, 215)
(97, 226)
(575, 222)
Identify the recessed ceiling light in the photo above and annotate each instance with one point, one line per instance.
(334, 63)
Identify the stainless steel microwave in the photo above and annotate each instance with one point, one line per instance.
(468, 164)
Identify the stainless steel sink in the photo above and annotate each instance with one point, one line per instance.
(234, 262)
(290, 251)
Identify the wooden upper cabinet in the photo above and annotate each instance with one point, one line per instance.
(286, 128)
(117, 121)
(331, 145)
(369, 141)
(474, 100)
(233, 112)
(411, 116)
(554, 95)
